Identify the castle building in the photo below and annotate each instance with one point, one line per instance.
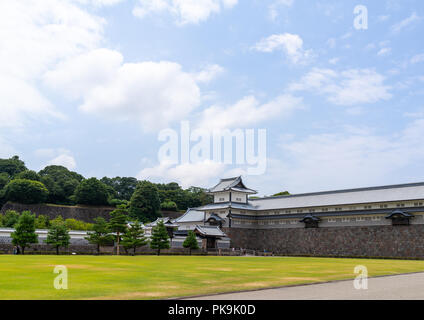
(376, 221)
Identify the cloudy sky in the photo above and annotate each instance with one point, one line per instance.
(89, 84)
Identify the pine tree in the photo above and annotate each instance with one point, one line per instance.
(58, 236)
(134, 237)
(191, 242)
(100, 234)
(160, 238)
(118, 223)
(24, 234)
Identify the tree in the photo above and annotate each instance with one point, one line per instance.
(24, 234)
(191, 242)
(28, 175)
(160, 237)
(100, 235)
(145, 202)
(92, 192)
(12, 166)
(124, 187)
(4, 179)
(118, 223)
(134, 237)
(10, 218)
(26, 191)
(58, 236)
(61, 183)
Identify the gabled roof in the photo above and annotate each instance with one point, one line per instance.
(191, 215)
(235, 184)
(166, 221)
(215, 217)
(210, 231)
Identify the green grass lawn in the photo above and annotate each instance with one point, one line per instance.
(152, 277)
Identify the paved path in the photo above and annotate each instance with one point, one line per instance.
(407, 286)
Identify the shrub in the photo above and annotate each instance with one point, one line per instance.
(10, 219)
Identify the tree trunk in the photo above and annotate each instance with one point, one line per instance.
(23, 250)
(117, 240)
(135, 248)
(98, 248)
(57, 250)
(158, 252)
(190, 251)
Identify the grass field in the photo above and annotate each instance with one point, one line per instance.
(152, 277)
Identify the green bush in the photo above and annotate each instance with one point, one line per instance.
(169, 205)
(73, 224)
(42, 222)
(10, 219)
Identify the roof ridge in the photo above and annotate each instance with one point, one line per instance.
(394, 186)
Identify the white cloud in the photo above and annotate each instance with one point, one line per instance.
(274, 7)
(209, 73)
(153, 93)
(64, 160)
(189, 174)
(408, 22)
(290, 44)
(417, 58)
(184, 11)
(247, 112)
(349, 87)
(100, 3)
(36, 35)
(358, 157)
(58, 157)
(6, 149)
(384, 51)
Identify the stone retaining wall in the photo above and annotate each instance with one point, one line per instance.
(83, 213)
(370, 241)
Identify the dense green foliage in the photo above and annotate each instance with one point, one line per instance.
(123, 187)
(24, 234)
(92, 192)
(145, 202)
(28, 175)
(10, 218)
(12, 166)
(160, 237)
(58, 185)
(58, 236)
(100, 235)
(168, 205)
(191, 242)
(134, 237)
(61, 183)
(26, 191)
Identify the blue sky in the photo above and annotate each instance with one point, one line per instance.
(89, 84)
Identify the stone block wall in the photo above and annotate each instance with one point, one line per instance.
(366, 241)
(83, 213)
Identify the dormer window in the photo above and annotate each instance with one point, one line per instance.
(399, 218)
